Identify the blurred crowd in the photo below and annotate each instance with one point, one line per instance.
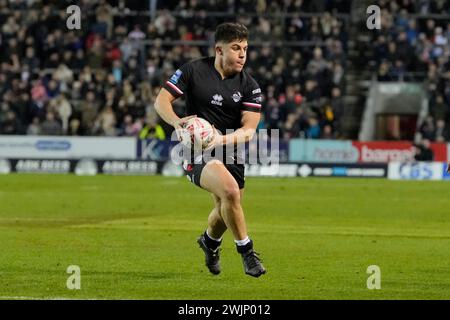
(258, 6)
(417, 48)
(103, 79)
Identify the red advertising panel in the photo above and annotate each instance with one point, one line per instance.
(440, 151)
(387, 151)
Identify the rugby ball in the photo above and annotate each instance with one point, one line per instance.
(197, 133)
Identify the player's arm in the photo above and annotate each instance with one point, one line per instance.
(172, 89)
(164, 108)
(245, 133)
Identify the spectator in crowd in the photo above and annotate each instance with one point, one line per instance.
(291, 127)
(313, 131)
(423, 151)
(34, 128)
(152, 130)
(327, 132)
(50, 126)
(337, 110)
(9, 124)
(64, 111)
(428, 129)
(439, 110)
(74, 127)
(442, 132)
(89, 109)
(105, 124)
(127, 128)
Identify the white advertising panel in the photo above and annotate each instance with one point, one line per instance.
(415, 171)
(50, 147)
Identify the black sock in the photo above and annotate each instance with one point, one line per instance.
(245, 248)
(211, 243)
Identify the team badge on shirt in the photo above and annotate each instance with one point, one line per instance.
(237, 97)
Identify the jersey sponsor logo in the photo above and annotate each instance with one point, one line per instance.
(176, 76)
(256, 91)
(217, 100)
(237, 97)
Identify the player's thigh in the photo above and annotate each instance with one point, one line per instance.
(217, 179)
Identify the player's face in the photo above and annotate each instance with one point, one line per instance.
(234, 56)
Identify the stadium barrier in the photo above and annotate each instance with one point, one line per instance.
(298, 158)
(63, 147)
(318, 170)
(418, 171)
(168, 168)
(130, 148)
(307, 150)
(90, 167)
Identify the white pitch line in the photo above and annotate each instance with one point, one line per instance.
(34, 219)
(37, 298)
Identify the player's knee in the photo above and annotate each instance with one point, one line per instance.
(231, 193)
(218, 206)
(217, 202)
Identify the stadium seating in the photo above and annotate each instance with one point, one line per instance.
(103, 79)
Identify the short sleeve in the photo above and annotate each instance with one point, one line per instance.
(252, 100)
(177, 84)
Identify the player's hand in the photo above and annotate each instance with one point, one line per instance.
(179, 125)
(217, 139)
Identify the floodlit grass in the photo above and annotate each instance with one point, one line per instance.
(134, 238)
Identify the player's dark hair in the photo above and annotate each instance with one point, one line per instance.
(231, 31)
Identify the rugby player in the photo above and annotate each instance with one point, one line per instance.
(219, 90)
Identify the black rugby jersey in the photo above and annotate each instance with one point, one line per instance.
(208, 96)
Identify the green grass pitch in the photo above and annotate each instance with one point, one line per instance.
(135, 238)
